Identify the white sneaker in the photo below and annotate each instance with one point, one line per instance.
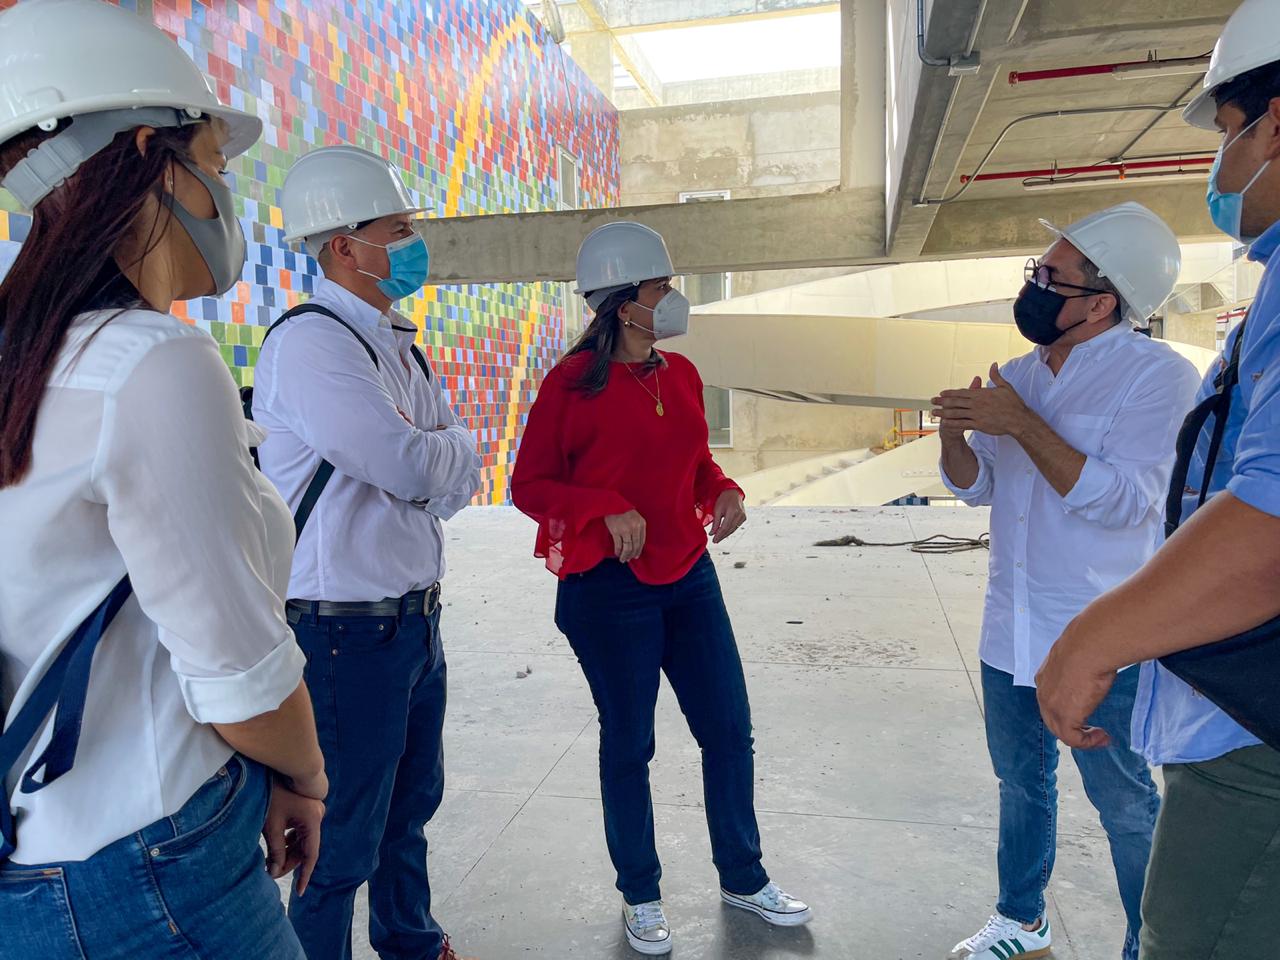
(646, 927)
(1003, 939)
(773, 904)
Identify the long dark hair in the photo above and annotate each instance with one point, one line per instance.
(600, 339)
(66, 266)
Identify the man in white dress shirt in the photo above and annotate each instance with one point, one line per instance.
(1072, 446)
(358, 428)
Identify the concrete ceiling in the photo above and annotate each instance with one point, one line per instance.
(959, 118)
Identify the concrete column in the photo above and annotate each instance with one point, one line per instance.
(593, 52)
(862, 86)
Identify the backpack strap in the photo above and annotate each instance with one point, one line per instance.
(418, 357)
(421, 361)
(320, 479)
(1218, 406)
(64, 686)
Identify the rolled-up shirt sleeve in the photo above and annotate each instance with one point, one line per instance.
(1130, 475)
(1256, 472)
(983, 490)
(185, 507)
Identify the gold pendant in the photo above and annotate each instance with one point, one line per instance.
(661, 412)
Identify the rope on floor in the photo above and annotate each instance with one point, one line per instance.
(938, 543)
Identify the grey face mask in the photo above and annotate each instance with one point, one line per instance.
(220, 240)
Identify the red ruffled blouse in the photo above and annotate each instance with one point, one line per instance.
(583, 458)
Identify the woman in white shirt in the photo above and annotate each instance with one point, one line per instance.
(123, 451)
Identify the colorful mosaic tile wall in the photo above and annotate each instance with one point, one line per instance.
(470, 98)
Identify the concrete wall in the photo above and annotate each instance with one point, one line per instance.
(754, 148)
(769, 433)
(1197, 329)
(768, 146)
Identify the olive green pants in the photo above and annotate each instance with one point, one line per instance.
(1213, 886)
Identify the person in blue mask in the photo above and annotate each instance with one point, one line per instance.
(1213, 887)
(363, 442)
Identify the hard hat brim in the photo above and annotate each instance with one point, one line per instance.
(1203, 110)
(243, 129)
(415, 212)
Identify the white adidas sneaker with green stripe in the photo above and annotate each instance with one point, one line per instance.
(1005, 939)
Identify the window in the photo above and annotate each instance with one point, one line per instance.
(703, 288)
(719, 404)
(568, 199)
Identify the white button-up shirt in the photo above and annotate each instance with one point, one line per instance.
(375, 531)
(1119, 399)
(141, 464)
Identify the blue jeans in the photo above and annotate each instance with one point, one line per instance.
(192, 886)
(1025, 757)
(378, 687)
(626, 634)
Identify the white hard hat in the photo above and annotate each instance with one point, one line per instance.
(1134, 249)
(64, 59)
(617, 255)
(334, 188)
(1251, 39)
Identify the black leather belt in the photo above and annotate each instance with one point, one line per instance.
(425, 602)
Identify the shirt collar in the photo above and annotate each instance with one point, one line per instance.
(1098, 344)
(350, 306)
(1262, 248)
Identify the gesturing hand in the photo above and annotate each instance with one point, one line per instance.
(730, 514)
(996, 410)
(947, 428)
(628, 531)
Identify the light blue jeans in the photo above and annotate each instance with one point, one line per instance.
(193, 886)
(1118, 783)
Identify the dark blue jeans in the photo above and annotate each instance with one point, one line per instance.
(626, 634)
(191, 885)
(1117, 781)
(378, 686)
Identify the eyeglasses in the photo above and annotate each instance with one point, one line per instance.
(1042, 276)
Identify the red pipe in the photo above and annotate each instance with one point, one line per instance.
(1120, 168)
(1058, 73)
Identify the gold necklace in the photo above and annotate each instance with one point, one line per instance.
(657, 398)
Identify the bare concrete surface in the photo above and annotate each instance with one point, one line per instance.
(876, 799)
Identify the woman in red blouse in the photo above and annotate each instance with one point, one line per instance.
(615, 467)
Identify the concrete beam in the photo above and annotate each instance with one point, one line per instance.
(832, 229)
(1011, 225)
(862, 93)
(753, 86)
(591, 22)
(947, 109)
(630, 16)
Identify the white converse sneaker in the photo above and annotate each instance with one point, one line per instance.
(1003, 939)
(773, 904)
(646, 927)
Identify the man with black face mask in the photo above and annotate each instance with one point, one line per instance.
(1072, 446)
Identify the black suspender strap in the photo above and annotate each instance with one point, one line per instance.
(1217, 406)
(320, 479)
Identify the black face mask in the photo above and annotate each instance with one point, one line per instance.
(1036, 313)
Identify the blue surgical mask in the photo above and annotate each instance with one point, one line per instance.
(1227, 209)
(410, 264)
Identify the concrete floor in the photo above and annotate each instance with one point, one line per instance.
(875, 795)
